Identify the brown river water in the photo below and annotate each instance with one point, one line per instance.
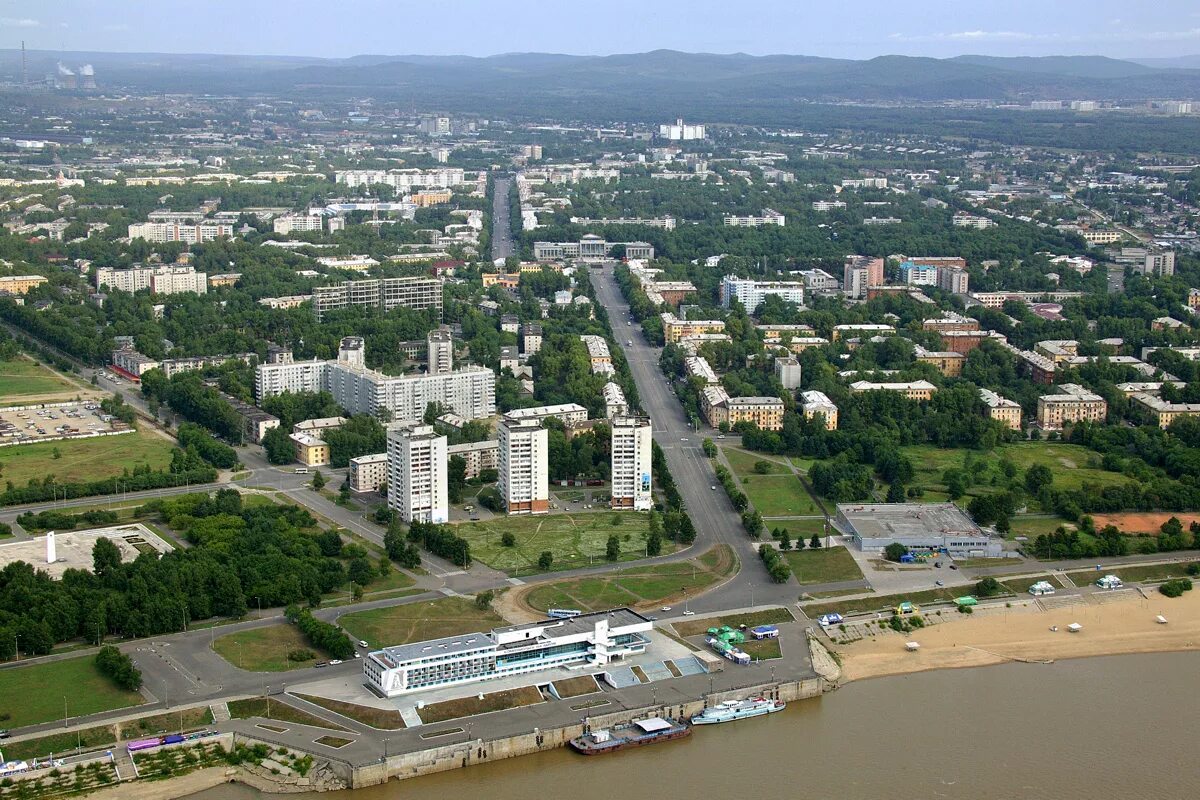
(1112, 727)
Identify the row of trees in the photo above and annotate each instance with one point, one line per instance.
(119, 668)
(321, 635)
(442, 541)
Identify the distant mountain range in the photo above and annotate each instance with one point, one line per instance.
(660, 79)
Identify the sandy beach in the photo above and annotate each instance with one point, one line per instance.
(1116, 626)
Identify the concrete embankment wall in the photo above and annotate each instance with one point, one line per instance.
(478, 751)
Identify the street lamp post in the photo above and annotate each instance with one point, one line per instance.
(64, 711)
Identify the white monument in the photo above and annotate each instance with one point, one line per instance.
(51, 552)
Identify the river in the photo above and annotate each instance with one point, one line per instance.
(1124, 726)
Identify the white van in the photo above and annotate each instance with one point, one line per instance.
(301, 471)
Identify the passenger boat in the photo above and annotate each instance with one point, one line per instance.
(732, 710)
(633, 734)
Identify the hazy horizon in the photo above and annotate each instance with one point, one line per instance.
(300, 28)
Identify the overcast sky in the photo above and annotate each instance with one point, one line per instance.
(863, 29)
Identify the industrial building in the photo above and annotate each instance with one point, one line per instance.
(921, 527)
(596, 639)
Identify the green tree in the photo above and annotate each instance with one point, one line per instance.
(815, 542)
(895, 493)
(318, 481)
(483, 600)
(895, 551)
(612, 551)
(545, 560)
(456, 478)
(988, 587)
(1036, 477)
(507, 539)
(106, 558)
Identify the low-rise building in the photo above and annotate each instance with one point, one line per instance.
(1072, 404)
(20, 284)
(367, 473)
(769, 216)
(615, 404)
(947, 362)
(1164, 412)
(815, 403)
(913, 390)
(1001, 409)
(921, 527)
(862, 329)
(309, 450)
(787, 371)
(675, 329)
(479, 456)
(572, 415)
(698, 367)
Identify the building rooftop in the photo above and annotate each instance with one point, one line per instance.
(883, 520)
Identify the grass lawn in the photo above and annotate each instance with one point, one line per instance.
(414, 622)
(60, 743)
(645, 587)
(1005, 561)
(770, 616)
(1148, 572)
(85, 459)
(29, 695)
(282, 712)
(24, 377)
(168, 722)
(827, 565)
(743, 462)
(885, 602)
(797, 528)
(1033, 527)
(832, 593)
(470, 706)
(266, 649)
(572, 538)
(1072, 466)
(762, 649)
(386, 719)
(778, 495)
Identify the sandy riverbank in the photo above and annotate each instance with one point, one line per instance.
(1116, 627)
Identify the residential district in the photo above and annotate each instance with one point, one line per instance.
(347, 440)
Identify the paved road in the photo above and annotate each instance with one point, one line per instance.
(710, 510)
(502, 241)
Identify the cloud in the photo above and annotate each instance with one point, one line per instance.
(1126, 36)
(22, 22)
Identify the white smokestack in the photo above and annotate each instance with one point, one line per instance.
(51, 550)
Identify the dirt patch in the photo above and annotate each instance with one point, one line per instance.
(574, 687)
(470, 706)
(1143, 522)
(511, 605)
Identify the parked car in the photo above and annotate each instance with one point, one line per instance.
(321, 664)
(335, 662)
(363, 643)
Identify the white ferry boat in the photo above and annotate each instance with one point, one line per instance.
(732, 710)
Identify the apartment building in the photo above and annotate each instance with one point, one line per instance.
(404, 180)
(531, 338)
(1164, 412)
(524, 480)
(966, 341)
(860, 273)
(947, 362)
(615, 404)
(382, 293)
(913, 390)
(631, 464)
(173, 232)
(1001, 409)
(698, 367)
(20, 284)
(814, 403)
(1101, 236)
(598, 354)
(298, 223)
(769, 216)
(675, 329)
(719, 408)
(751, 293)
(787, 372)
(1072, 404)
(949, 322)
(310, 451)
(680, 132)
(861, 329)
(479, 456)
(1159, 263)
(572, 415)
(439, 344)
(368, 473)
(954, 281)
(166, 279)
(469, 392)
(417, 473)
(962, 220)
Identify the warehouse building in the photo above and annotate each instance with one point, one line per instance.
(921, 527)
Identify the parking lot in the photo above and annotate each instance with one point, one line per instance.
(23, 425)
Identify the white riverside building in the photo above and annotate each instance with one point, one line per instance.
(469, 392)
(595, 639)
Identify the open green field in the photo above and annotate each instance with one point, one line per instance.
(743, 462)
(101, 735)
(1071, 465)
(778, 496)
(24, 377)
(762, 649)
(274, 709)
(29, 695)
(414, 622)
(797, 528)
(637, 587)
(827, 565)
(266, 649)
(575, 539)
(386, 719)
(85, 459)
(1033, 527)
